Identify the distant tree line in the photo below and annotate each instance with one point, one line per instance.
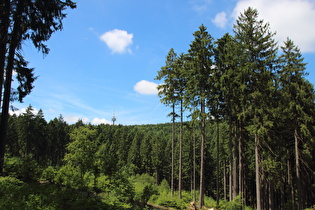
(262, 96)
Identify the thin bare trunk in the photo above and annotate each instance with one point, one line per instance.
(180, 151)
(224, 179)
(297, 169)
(240, 164)
(218, 162)
(290, 182)
(194, 136)
(235, 163)
(257, 172)
(203, 136)
(231, 162)
(173, 142)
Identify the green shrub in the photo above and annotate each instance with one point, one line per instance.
(118, 190)
(11, 193)
(232, 205)
(69, 176)
(25, 168)
(49, 174)
(166, 199)
(89, 180)
(144, 186)
(164, 186)
(103, 183)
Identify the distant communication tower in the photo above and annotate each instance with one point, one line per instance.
(114, 118)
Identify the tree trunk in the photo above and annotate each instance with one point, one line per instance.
(231, 162)
(235, 163)
(4, 28)
(194, 136)
(240, 164)
(203, 136)
(173, 142)
(297, 169)
(270, 194)
(290, 182)
(180, 151)
(218, 162)
(224, 179)
(257, 173)
(15, 40)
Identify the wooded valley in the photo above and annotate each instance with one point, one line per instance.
(241, 136)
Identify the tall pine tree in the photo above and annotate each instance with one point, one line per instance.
(297, 97)
(258, 61)
(199, 88)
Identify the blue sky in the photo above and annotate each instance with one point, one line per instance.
(105, 59)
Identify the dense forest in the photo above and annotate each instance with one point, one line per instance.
(261, 94)
(241, 135)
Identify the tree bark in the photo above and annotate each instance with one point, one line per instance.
(194, 137)
(297, 169)
(218, 162)
(235, 163)
(4, 30)
(231, 162)
(240, 164)
(257, 173)
(224, 179)
(173, 142)
(180, 151)
(203, 136)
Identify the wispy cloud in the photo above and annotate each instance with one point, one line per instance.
(289, 18)
(201, 6)
(146, 87)
(118, 41)
(220, 20)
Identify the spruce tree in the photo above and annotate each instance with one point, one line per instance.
(258, 61)
(199, 89)
(168, 93)
(297, 97)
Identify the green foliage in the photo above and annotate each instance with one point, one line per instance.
(167, 200)
(49, 174)
(69, 176)
(144, 186)
(26, 168)
(103, 183)
(236, 204)
(164, 187)
(118, 190)
(10, 192)
(15, 194)
(82, 149)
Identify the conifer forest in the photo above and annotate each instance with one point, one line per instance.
(241, 133)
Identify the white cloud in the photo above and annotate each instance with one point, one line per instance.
(97, 121)
(288, 18)
(201, 6)
(70, 119)
(145, 87)
(22, 111)
(118, 41)
(220, 20)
